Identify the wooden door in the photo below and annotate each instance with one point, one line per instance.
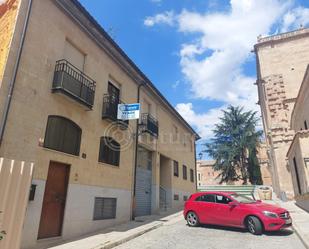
(54, 200)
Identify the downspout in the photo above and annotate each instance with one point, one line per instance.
(135, 159)
(195, 166)
(15, 70)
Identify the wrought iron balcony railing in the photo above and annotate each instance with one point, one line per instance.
(150, 124)
(74, 83)
(110, 108)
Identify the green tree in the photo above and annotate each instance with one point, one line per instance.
(234, 146)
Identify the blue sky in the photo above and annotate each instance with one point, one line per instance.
(197, 52)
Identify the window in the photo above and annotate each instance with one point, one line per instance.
(176, 197)
(222, 199)
(104, 208)
(62, 135)
(109, 151)
(191, 175)
(184, 172)
(306, 126)
(185, 198)
(176, 169)
(206, 198)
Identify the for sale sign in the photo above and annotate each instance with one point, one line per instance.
(128, 111)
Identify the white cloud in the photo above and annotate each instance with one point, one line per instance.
(213, 62)
(295, 18)
(228, 37)
(156, 1)
(167, 17)
(204, 123)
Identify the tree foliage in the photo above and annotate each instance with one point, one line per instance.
(235, 145)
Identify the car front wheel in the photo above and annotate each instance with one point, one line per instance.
(192, 219)
(254, 225)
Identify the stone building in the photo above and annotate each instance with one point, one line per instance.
(61, 80)
(264, 164)
(281, 63)
(206, 175)
(298, 153)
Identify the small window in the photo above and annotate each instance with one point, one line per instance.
(176, 197)
(222, 199)
(185, 198)
(191, 175)
(104, 208)
(306, 126)
(109, 151)
(184, 172)
(206, 198)
(176, 169)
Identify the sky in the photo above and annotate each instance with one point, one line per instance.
(198, 53)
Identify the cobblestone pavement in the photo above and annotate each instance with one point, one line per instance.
(178, 235)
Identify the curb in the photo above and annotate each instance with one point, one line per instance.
(126, 239)
(296, 230)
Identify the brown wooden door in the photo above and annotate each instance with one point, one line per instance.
(54, 200)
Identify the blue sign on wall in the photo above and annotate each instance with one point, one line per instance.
(128, 111)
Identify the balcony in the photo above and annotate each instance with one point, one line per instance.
(110, 108)
(72, 82)
(150, 124)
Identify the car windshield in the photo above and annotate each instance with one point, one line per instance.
(242, 198)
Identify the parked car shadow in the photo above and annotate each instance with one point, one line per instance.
(283, 232)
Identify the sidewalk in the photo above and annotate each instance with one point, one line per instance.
(114, 236)
(300, 219)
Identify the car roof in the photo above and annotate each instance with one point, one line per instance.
(216, 192)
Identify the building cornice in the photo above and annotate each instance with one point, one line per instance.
(95, 31)
(283, 37)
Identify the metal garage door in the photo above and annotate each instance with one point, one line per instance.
(143, 183)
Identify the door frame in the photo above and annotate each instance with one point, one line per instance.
(65, 203)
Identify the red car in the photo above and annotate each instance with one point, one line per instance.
(231, 209)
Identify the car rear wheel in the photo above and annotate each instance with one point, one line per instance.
(254, 225)
(192, 219)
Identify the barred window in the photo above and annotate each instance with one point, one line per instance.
(109, 151)
(104, 208)
(62, 135)
(176, 169)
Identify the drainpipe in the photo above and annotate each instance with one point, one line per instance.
(15, 70)
(195, 166)
(136, 148)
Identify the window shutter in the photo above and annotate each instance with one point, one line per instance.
(104, 208)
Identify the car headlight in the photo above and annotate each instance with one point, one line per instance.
(270, 214)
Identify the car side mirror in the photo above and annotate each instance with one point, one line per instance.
(233, 204)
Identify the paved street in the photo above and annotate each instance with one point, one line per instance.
(176, 234)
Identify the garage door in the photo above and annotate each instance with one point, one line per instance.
(143, 182)
(143, 192)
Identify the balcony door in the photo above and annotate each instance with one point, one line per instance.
(74, 55)
(114, 97)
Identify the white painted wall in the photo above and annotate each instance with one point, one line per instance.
(78, 217)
